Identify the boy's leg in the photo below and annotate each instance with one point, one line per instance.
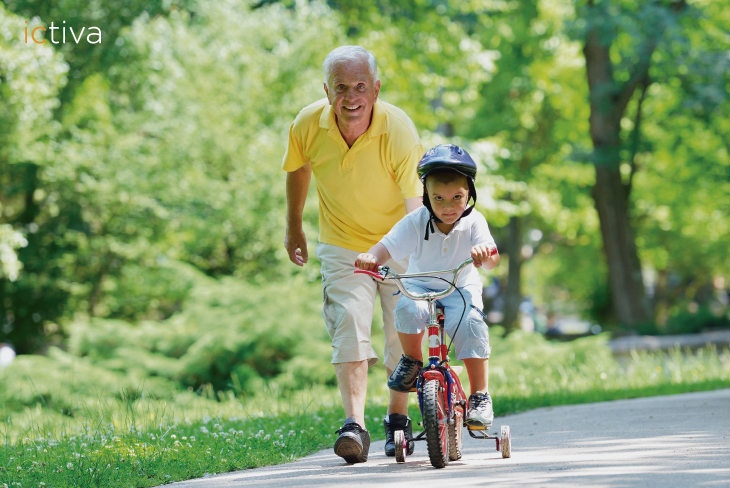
(471, 344)
(480, 413)
(410, 320)
(389, 299)
(478, 371)
(412, 345)
(397, 416)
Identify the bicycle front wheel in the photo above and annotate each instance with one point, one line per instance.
(435, 424)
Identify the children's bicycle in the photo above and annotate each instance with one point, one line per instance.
(441, 399)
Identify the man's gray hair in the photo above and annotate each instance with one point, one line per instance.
(349, 53)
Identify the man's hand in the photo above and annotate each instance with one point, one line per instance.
(484, 256)
(367, 261)
(295, 243)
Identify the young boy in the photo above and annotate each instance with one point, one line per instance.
(441, 235)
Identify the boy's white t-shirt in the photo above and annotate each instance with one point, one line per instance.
(441, 251)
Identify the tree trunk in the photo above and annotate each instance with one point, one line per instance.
(624, 271)
(611, 195)
(513, 294)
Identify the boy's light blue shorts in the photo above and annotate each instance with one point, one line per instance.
(471, 340)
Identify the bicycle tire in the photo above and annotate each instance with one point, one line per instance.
(435, 424)
(455, 431)
(401, 447)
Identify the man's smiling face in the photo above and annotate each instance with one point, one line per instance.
(352, 92)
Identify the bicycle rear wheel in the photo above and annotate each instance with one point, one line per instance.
(435, 424)
(455, 431)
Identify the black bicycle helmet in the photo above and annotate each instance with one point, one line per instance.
(447, 157)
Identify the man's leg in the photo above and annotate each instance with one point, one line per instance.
(398, 401)
(348, 301)
(352, 378)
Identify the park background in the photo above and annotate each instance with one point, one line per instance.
(142, 201)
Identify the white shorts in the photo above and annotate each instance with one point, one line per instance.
(348, 304)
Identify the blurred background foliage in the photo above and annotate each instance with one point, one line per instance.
(142, 202)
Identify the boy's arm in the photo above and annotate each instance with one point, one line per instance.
(485, 255)
(369, 261)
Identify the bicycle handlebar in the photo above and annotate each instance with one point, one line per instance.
(385, 273)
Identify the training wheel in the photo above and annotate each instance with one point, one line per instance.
(401, 446)
(506, 441)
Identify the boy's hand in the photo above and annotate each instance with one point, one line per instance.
(484, 256)
(367, 261)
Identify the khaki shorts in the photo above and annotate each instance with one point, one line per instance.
(348, 305)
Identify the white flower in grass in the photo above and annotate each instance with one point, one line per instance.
(70, 466)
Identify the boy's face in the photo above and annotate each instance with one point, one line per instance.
(448, 200)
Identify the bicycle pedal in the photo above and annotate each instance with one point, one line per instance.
(475, 427)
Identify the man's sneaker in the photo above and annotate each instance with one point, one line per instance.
(353, 443)
(397, 422)
(480, 414)
(404, 376)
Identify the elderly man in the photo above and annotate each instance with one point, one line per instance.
(363, 153)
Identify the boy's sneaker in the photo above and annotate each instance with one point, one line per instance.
(480, 414)
(353, 443)
(404, 376)
(397, 422)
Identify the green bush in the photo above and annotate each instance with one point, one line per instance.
(228, 335)
(688, 322)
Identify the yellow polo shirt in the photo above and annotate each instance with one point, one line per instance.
(361, 188)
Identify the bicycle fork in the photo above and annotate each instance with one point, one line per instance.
(438, 355)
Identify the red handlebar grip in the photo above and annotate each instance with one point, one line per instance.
(371, 273)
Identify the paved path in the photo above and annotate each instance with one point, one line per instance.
(626, 344)
(659, 442)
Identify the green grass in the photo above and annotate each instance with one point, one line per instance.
(64, 426)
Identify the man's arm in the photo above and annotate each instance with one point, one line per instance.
(413, 203)
(297, 186)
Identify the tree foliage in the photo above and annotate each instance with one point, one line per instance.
(162, 146)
